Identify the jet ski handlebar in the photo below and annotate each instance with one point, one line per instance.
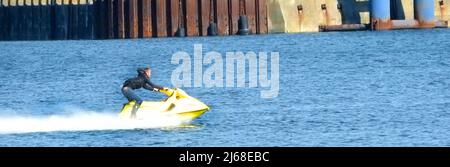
(169, 92)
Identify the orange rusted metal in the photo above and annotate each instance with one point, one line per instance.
(378, 24)
(251, 15)
(133, 29)
(405, 24)
(121, 19)
(174, 11)
(161, 17)
(192, 18)
(146, 21)
(222, 17)
(206, 15)
(234, 16)
(261, 17)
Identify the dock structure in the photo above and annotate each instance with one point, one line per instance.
(121, 19)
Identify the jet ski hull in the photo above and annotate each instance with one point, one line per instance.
(178, 105)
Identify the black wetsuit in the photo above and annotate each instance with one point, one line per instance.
(141, 81)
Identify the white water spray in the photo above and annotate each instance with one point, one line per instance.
(81, 121)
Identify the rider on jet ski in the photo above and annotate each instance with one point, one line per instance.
(141, 81)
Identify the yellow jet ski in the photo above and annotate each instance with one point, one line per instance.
(178, 104)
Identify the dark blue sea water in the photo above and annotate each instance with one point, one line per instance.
(389, 88)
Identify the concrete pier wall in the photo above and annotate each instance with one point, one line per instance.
(292, 16)
(442, 9)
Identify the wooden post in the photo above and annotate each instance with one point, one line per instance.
(46, 15)
(91, 20)
(3, 20)
(132, 19)
(73, 19)
(35, 19)
(6, 21)
(222, 17)
(101, 18)
(14, 17)
(111, 17)
(174, 19)
(146, 22)
(205, 14)
(83, 27)
(251, 12)
(161, 17)
(61, 22)
(25, 19)
(192, 17)
(234, 16)
(261, 17)
(120, 19)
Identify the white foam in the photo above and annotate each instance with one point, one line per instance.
(81, 121)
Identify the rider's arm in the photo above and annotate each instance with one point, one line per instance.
(150, 86)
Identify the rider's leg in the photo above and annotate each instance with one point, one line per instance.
(131, 96)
